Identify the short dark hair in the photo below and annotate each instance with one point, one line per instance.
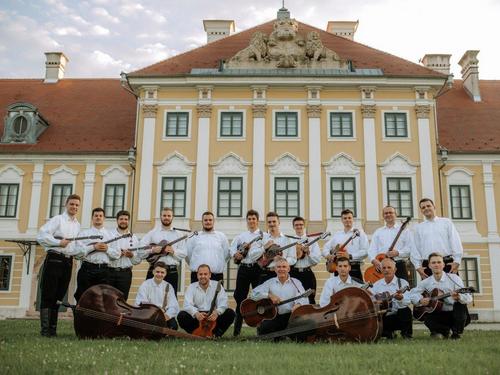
(252, 213)
(203, 266)
(434, 254)
(168, 209)
(426, 200)
(342, 259)
(298, 218)
(346, 212)
(98, 209)
(161, 265)
(272, 214)
(207, 213)
(73, 196)
(122, 213)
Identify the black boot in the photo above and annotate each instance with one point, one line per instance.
(53, 322)
(238, 322)
(45, 322)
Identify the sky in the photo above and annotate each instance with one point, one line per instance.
(102, 38)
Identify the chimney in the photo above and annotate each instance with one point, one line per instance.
(345, 29)
(437, 62)
(470, 74)
(218, 29)
(54, 66)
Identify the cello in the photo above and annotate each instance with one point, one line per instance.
(102, 312)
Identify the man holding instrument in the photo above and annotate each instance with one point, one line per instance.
(96, 255)
(337, 283)
(248, 270)
(58, 264)
(198, 299)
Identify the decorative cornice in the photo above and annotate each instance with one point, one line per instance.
(204, 110)
(423, 111)
(368, 110)
(149, 110)
(230, 164)
(259, 110)
(314, 110)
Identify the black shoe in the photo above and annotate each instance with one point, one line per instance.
(437, 336)
(54, 314)
(45, 322)
(455, 336)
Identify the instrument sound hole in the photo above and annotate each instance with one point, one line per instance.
(261, 309)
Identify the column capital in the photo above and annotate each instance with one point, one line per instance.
(423, 111)
(368, 110)
(259, 110)
(149, 110)
(314, 110)
(204, 110)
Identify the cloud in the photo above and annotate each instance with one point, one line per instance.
(65, 31)
(105, 60)
(99, 30)
(103, 13)
(153, 52)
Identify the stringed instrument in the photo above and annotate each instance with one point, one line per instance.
(206, 327)
(274, 250)
(384, 299)
(93, 237)
(153, 258)
(303, 250)
(331, 263)
(436, 301)
(126, 235)
(372, 273)
(244, 248)
(254, 312)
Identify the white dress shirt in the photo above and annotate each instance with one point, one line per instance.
(358, 247)
(151, 292)
(62, 226)
(98, 257)
(122, 244)
(159, 234)
(197, 299)
(311, 259)
(383, 238)
(289, 254)
(392, 287)
(333, 285)
(256, 249)
(437, 235)
(448, 283)
(289, 289)
(210, 248)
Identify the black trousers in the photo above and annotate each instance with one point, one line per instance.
(265, 274)
(279, 323)
(444, 321)
(89, 275)
(356, 271)
(121, 279)
(308, 280)
(401, 321)
(189, 324)
(247, 276)
(172, 324)
(172, 276)
(56, 275)
(401, 269)
(215, 276)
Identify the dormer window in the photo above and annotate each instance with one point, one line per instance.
(20, 127)
(23, 124)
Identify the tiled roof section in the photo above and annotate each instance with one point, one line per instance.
(209, 55)
(84, 115)
(466, 126)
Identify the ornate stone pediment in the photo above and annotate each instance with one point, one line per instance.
(286, 47)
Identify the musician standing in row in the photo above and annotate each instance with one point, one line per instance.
(336, 283)
(120, 270)
(58, 264)
(383, 238)
(172, 255)
(399, 317)
(311, 255)
(96, 255)
(435, 234)
(248, 270)
(356, 250)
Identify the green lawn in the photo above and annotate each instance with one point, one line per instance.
(23, 350)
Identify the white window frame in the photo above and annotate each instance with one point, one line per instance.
(336, 138)
(115, 175)
(243, 124)
(287, 139)
(11, 174)
(408, 125)
(479, 274)
(60, 175)
(164, 127)
(13, 255)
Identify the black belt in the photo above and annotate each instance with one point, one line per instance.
(304, 269)
(355, 263)
(171, 268)
(248, 265)
(58, 254)
(119, 269)
(94, 265)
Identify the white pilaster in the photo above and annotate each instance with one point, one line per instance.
(36, 192)
(315, 195)
(26, 281)
(88, 194)
(146, 176)
(201, 197)
(371, 175)
(259, 167)
(424, 143)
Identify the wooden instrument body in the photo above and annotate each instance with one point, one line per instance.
(331, 264)
(205, 329)
(436, 304)
(269, 255)
(371, 273)
(254, 312)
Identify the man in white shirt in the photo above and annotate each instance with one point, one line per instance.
(277, 289)
(208, 247)
(120, 270)
(336, 283)
(160, 293)
(58, 264)
(454, 314)
(399, 317)
(198, 300)
(435, 234)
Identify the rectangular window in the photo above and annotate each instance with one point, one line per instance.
(114, 199)
(60, 192)
(173, 194)
(286, 196)
(8, 200)
(396, 125)
(5, 270)
(341, 124)
(343, 195)
(177, 124)
(399, 195)
(469, 272)
(231, 124)
(460, 202)
(286, 124)
(229, 196)
(230, 276)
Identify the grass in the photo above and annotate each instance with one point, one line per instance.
(23, 350)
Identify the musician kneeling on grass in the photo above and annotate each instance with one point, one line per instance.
(160, 293)
(454, 315)
(277, 289)
(197, 302)
(399, 317)
(336, 283)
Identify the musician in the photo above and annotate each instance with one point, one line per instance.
(279, 288)
(96, 255)
(160, 293)
(173, 254)
(301, 270)
(197, 301)
(356, 250)
(58, 264)
(399, 317)
(120, 270)
(248, 270)
(435, 234)
(208, 247)
(454, 315)
(336, 283)
(383, 238)
(275, 237)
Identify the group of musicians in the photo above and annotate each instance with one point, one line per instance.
(274, 265)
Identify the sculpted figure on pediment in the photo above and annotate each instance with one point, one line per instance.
(257, 50)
